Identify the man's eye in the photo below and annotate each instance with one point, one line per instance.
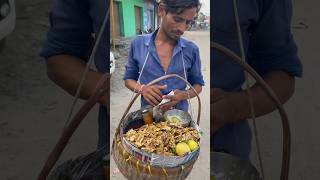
(177, 19)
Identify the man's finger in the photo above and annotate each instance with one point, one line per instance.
(156, 90)
(149, 102)
(161, 87)
(167, 105)
(171, 97)
(153, 99)
(148, 99)
(156, 96)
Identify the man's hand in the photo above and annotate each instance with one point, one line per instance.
(174, 99)
(232, 107)
(222, 110)
(152, 94)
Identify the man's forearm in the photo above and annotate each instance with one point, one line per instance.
(136, 87)
(66, 71)
(281, 83)
(133, 85)
(190, 93)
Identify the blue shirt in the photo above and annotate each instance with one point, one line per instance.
(184, 50)
(269, 46)
(72, 23)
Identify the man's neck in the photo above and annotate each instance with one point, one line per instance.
(162, 38)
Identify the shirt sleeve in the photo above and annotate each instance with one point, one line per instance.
(132, 67)
(70, 29)
(272, 46)
(195, 74)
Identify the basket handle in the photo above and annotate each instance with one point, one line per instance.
(154, 82)
(285, 122)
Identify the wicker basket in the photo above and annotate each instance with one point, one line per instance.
(133, 167)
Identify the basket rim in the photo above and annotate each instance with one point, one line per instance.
(154, 158)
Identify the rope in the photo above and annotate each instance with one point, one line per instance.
(91, 58)
(124, 155)
(118, 145)
(165, 172)
(129, 158)
(138, 170)
(138, 81)
(182, 172)
(185, 76)
(144, 168)
(248, 90)
(149, 168)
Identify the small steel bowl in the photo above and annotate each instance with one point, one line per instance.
(183, 116)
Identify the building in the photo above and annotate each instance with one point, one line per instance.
(132, 17)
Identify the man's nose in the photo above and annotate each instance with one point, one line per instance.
(182, 27)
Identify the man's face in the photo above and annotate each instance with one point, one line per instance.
(174, 25)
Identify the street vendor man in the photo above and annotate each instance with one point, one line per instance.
(67, 48)
(166, 52)
(269, 48)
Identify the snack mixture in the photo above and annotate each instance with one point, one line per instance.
(161, 138)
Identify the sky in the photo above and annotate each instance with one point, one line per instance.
(205, 8)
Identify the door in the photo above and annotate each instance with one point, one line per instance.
(116, 16)
(137, 15)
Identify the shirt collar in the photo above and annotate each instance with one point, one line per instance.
(149, 40)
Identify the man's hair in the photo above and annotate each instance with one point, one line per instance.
(178, 6)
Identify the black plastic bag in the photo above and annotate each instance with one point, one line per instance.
(86, 167)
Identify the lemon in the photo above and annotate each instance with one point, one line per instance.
(192, 144)
(182, 148)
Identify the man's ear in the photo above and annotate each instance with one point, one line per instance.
(161, 10)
